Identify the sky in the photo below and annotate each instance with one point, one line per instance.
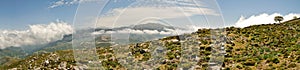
(27, 22)
(18, 14)
(233, 9)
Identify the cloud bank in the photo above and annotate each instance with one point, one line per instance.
(262, 19)
(36, 34)
(157, 32)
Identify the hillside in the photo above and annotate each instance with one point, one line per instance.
(268, 46)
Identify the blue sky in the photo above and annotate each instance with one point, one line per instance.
(18, 14)
(233, 9)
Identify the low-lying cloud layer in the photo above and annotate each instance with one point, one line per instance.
(36, 34)
(149, 28)
(157, 32)
(263, 19)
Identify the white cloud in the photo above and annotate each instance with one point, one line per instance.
(165, 33)
(151, 32)
(36, 34)
(72, 2)
(169, 10)
(133, 31)
(262, 19)
(68, 2)
(132, 15)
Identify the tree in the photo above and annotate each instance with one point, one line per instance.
(278, 18)
(295, 17)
